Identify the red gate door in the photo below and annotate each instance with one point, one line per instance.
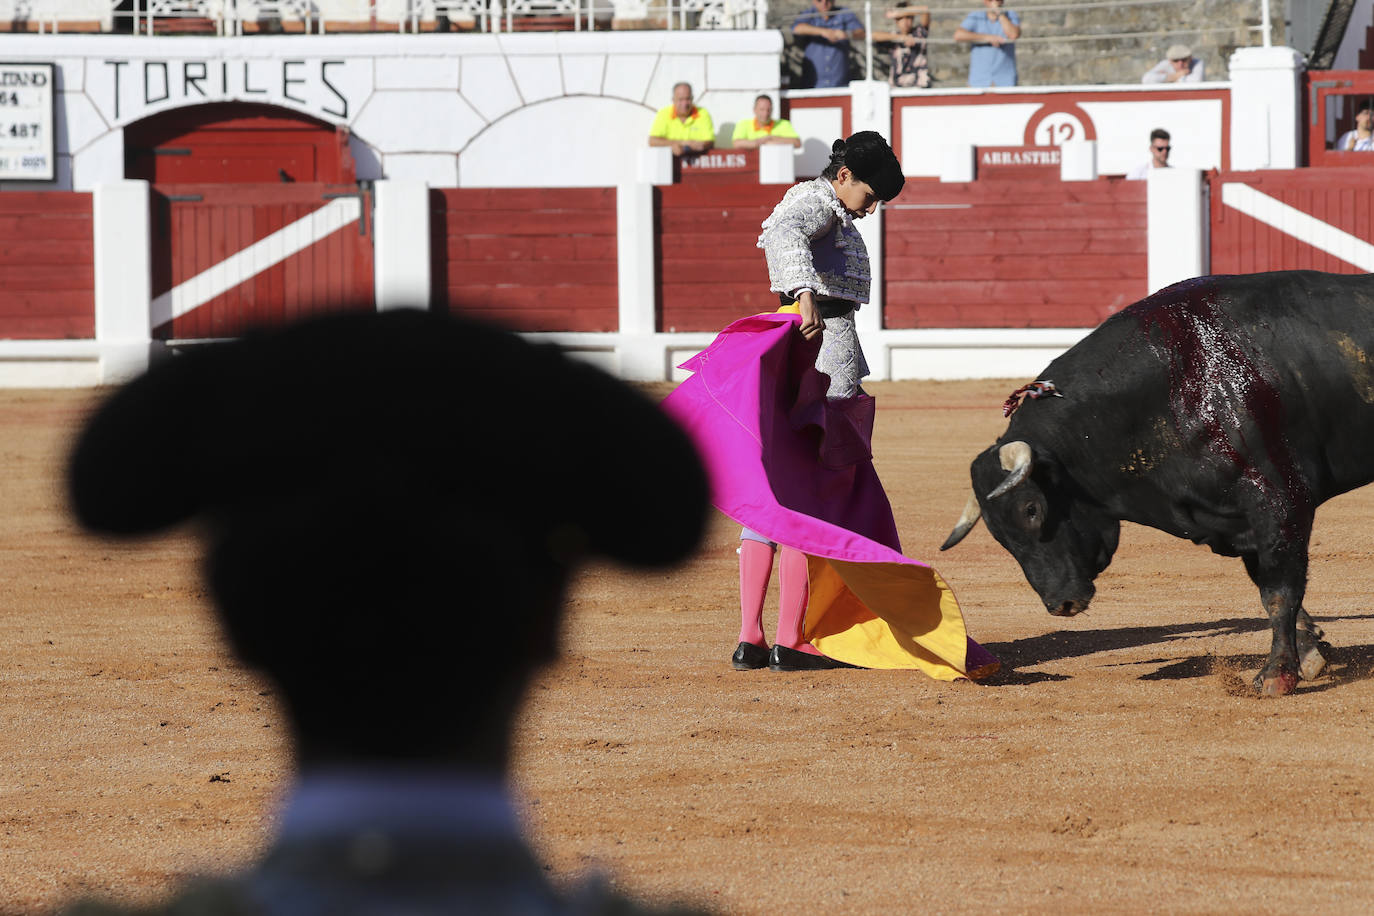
(227, 258)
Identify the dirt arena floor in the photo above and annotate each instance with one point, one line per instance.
(1118, 764)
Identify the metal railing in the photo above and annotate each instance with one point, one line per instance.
(237, 17)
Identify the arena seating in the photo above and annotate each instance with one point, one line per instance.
(1065, 43)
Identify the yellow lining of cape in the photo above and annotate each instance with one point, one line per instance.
(885, 615)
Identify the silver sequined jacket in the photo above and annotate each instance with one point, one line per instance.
(811, 242)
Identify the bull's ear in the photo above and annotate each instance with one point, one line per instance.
(1030, 511)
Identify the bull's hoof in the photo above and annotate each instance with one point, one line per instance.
(1276, 685)
(1312, 661)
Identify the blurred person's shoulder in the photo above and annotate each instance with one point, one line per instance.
(227, 897)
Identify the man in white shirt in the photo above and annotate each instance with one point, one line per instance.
(1179, 66)
(1159, 155)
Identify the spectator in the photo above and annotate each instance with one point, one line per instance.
(1361, 139)
(1180, 66)
(992, 32)
(754, 132)
(684, 126)
(397, 574)
(826, 32)
(1159, 155)
(910, 68)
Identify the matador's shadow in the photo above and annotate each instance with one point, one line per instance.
(1344, 663)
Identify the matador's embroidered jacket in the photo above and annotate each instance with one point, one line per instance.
(811, 242)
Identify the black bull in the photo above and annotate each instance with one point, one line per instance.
(1223, 410)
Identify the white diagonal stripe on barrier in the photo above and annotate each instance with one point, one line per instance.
(1302, 226)
(253, 260)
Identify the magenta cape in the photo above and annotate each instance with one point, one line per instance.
(797, 468)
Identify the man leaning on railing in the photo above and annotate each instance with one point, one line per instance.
(684, 126)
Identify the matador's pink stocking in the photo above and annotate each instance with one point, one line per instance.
(755, 568)
(794, 588)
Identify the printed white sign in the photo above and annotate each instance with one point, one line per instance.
(26, 122)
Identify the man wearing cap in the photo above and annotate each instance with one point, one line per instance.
(683, 125)
(1180, 66)
(391, 549)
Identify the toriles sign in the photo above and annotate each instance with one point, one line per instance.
(26, 122)
(332, 90)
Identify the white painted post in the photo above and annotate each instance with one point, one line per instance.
(401, 266)
(777, 163)
(870, 107)
(656, 165)
(641, 357)
(1078, 160)
(868, 320)
(1177, 228)
(1266, 126)
(957, 162)
(123, 279)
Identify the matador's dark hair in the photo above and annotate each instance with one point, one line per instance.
(868, 156)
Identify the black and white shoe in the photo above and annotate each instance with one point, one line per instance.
(785, 659)
(749, 657)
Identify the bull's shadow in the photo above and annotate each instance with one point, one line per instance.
(1345, 663)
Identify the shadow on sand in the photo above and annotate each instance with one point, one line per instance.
(1344, 663)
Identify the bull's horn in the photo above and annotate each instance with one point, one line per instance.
(1015, 458)
(972, 513)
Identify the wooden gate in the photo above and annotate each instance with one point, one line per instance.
(1304, 219)
(230, 257)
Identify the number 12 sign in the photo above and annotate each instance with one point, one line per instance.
(27, 97)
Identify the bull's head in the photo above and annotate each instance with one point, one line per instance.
(1061, 541)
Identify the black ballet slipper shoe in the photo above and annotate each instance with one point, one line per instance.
(749, 657)
(785, 659)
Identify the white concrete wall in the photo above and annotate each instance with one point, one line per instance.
(1122, 125)
(472, 110)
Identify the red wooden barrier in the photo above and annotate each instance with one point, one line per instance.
(1304, 219)
(709, 268)
(198, 230)
(47, 265)
(530, 259)
(1013, 254)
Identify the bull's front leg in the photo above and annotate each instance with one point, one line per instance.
(1311, 646)
(1282, 579)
